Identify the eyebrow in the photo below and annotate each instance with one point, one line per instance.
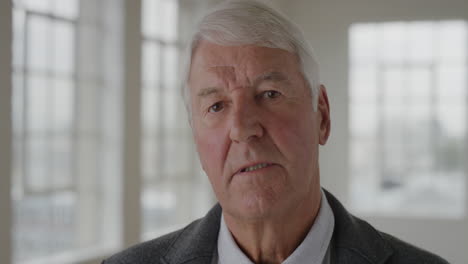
(208, 91)
(274, 76)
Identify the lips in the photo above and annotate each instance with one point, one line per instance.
(255, 167)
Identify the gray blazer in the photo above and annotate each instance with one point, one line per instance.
(354, 241)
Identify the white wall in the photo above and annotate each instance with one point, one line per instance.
(326, 24)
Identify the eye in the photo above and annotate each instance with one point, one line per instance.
(271, 94)
(218, 106)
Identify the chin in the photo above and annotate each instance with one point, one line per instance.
(256, 206)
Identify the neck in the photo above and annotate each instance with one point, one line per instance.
(272, 240)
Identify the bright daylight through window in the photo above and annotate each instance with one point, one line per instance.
(408, 118)
(65, 129)
(173, 186)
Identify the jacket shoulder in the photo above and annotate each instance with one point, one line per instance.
(357, 241)
(147, 252)
(195, 242)
(406, 253)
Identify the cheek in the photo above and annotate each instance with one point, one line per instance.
(211, 149)
(296, 138)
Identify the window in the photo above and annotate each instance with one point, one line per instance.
(408, 117)
(71, 128)
(66, 101)
(173, 184)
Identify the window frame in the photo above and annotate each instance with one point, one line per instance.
(130, 185)
(131, 182)
(380, 67)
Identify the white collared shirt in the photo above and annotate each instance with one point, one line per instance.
(313, 249)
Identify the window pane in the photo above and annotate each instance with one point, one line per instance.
(18, 38)
(159, 19)
(65, 8)
(364, 157)
(390, 121)
(18, 103)
(171, 100)
(37, 217)
(37, 164)
(169, 20)
(61, 151)
(151, 62)
(421, 42)
(363, 43)
(166, 199)
(174, 191)
(452, 119)
(392, 41)
(35, 5)
(418, 114)
(364, 120)
(152, 159)
(87, 104)
(393, 84)
(67, 142)
(63, 105)
(151, 99)
(39, 44)
(18, 171)
(38, 95)
(151, 17)
(159, 203)
(363, 80)
(453, 36)
(393, 132)
(170, 67)
(420, 81)
(415, 133)
(178, 157)
(452, 81)
(393, 164)
(63, 48)
(90, 52)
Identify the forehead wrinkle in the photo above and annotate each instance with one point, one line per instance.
(231, 77)
(274, 76)
(224, 73)
(222, 69)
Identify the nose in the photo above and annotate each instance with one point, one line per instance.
(246, 124)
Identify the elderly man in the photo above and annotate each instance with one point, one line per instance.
(258, 115)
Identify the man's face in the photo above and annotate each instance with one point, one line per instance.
(255, 129)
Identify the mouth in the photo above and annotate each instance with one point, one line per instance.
(255, 167)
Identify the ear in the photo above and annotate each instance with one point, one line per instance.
(323, 110)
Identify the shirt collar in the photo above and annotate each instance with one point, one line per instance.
(311, 250)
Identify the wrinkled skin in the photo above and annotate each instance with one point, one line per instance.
(248, 125)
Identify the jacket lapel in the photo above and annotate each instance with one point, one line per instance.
(354, 240)
(197, 243)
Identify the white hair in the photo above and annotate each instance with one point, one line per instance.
(252, 22)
